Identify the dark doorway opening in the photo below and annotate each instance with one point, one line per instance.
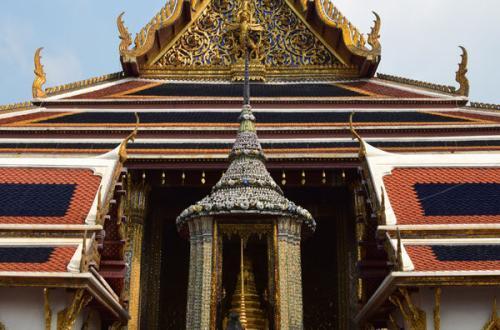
(165, 293)
(327, 256)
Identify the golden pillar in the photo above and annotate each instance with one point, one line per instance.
(137, 208)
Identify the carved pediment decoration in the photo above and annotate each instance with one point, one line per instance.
(203, 39)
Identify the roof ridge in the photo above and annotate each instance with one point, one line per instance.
(17, 106)
(484, 106)
(84, 83)
(418, 83)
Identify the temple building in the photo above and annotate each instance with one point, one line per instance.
(249, 169)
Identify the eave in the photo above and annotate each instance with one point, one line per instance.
(397, 280)
(86, 281)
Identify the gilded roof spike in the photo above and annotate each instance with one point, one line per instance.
(130, 138)
(374, 36)
(40, 77)
(400, 251)
(362, 149)
(125, 37)
(461, 75)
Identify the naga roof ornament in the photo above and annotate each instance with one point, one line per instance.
(246, 188)
(145, 38)
(354, 39)
(40, 77)
(461, 75)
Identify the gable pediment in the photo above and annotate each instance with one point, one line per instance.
(207, 44)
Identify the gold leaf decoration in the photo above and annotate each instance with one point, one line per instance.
(461, 75)
(40, 77)
(213, 41)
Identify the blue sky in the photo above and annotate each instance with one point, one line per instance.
(419, 39)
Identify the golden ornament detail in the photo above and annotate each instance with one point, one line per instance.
(40, 77)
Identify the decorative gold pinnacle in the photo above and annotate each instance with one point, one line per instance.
(130, 138)
(40, 77)
(461, 75)
(125, 37)
(374, 36)
(362, 149)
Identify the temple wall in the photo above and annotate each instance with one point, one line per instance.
(23, 309)
(461, 307)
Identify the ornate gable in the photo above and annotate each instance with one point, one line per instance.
(290, 41)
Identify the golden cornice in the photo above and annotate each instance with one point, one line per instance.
(353, 38)
(84, 83)
(417, 83)
(461, 75)
(40, 77)
(144, 39)
(226, 73)
(17, 106)
(484, 106)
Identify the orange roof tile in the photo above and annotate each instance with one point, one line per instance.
(86, 188)
(407, 206)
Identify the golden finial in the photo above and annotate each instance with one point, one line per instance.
(374, 36)
(130, 138)
(99, 202)
(437, 308)
(40, 77)
(47, 309)
(461, 75)
(83, 260)
(125, 37)
(362, 149)
(400, 251)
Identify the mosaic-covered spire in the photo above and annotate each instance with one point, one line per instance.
(246, 187)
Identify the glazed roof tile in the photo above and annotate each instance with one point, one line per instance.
(46, 196)
(270, 147)
(137, 89)
(228, 118)
(444, 195)
(454, 257)
(35, 259)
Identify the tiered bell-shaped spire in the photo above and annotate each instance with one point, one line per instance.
(246, 187)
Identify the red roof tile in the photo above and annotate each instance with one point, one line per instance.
(86, 188)
(109, 92)
(386, 91)
(407, 207)
(425, 259)
(57, 262)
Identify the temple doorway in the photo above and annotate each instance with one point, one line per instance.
(329, 273)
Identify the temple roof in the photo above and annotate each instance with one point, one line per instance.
(297, 37)
(246, 187)
(43, 191)
(426, 191)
